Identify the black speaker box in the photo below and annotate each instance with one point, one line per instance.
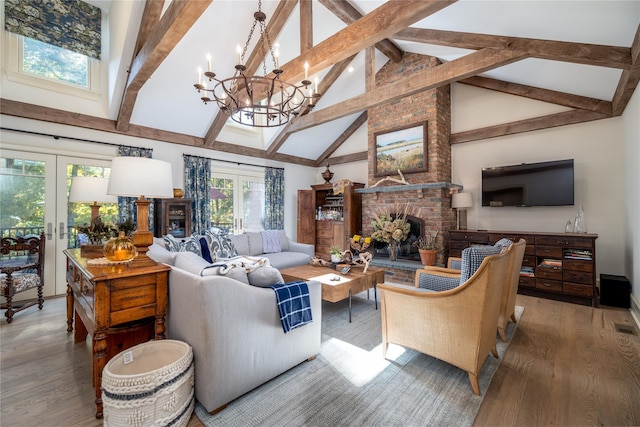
(615, 291)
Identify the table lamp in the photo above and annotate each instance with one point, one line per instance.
(144, 178)
(461, 202)
(91, 189)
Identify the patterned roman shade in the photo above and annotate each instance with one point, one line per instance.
(69, 24)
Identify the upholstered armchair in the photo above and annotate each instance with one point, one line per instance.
(22, 266)
(438, 278)
(457, 326)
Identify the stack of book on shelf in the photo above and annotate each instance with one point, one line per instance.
(555, 264)
(584, 254)
(527, 272)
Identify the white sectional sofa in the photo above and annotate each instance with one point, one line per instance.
(234, 328)
(291, 253)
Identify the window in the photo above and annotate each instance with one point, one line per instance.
(55, 63)
(49, 67)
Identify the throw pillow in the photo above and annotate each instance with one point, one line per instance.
(271, 241)
(204, 249)
(220, 245)
(472, 258)
(265, 276)
(191, 244)
(171, 243)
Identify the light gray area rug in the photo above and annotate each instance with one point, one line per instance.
(350, 384)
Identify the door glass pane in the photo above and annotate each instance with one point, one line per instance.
(222, 204)
(252, 205)
(22, 197)
(79, 214)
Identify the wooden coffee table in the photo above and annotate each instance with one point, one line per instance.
(353, 282)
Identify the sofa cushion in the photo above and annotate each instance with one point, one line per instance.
(191, 244)
(159, 253)
(255, 243)
(241, 243)
(265, 276)
(190, 262)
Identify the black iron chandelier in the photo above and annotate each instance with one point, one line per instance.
(259, 101)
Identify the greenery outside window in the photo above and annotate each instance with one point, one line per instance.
(56, 63)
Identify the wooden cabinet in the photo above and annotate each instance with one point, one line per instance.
(326, 218)
(172, 216)
(118, 305)
(558, 266)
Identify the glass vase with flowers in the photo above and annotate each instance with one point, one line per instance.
(391, 229)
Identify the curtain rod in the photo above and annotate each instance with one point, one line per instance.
(231, 161)
(70, 138)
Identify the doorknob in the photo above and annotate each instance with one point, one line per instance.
(49, 231)
(62, 230)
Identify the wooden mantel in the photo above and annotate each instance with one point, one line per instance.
(419, 188)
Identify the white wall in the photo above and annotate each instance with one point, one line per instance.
(631, 136)
(598, 152)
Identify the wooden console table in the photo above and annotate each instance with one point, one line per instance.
(560, 266)
(119, 306)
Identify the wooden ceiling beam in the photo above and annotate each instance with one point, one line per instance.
(527, 125)
(377, 25)
(175, 23)
(306, 25)
(353, 127)
(275, 23)
(150, 18)
(348, 158)
(629, 79)
(551, 96)
(429, 78)
(324, 85)
(580, 53)
(52, 115)
(349, 14)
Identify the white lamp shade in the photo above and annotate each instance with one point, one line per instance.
(462, 200)
(140, 176)
(89, 189)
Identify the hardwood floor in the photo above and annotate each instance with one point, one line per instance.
(566, 366)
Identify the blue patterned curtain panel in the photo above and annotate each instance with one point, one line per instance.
(69, 24)
(197, 182)
(274, 198)
(127, 205)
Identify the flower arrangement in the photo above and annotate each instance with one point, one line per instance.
(388, 229)
(335, 250)
(426, 242)
(98, 232)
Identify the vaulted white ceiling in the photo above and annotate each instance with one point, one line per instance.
(169, 102)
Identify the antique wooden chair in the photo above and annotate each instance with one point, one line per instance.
(457, 326)
(22, 268)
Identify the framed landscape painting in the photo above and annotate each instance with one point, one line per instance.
(403, 149)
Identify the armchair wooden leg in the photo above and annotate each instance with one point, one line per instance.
(475, 385)
(494, 351)
(503, 334)
(9, 312)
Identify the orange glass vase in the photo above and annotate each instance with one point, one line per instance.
(120, 248)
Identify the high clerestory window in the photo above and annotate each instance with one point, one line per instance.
(58, 41)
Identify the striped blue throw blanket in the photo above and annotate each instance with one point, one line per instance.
(294, 304)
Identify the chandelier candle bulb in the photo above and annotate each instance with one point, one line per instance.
(239, 50)
(306, 70)
(208, 62)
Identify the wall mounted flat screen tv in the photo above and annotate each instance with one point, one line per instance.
(529, 184)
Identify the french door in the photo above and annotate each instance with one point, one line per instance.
(237, 202)
(34, 198)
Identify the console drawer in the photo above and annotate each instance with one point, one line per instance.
(577, 276)
(578, 289)
(527, 282)
(549, 285)
(549, 251)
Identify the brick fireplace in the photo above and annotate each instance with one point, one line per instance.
(433, 204)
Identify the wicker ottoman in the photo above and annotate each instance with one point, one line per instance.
(150, 384)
